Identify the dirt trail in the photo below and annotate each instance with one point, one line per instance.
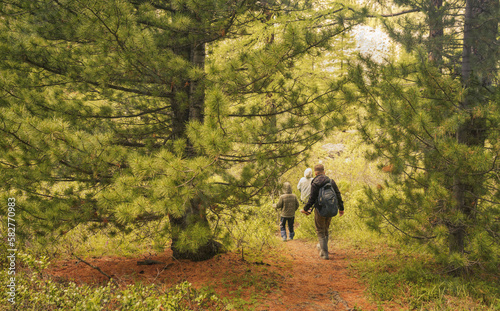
(318, 284)
(294, 279)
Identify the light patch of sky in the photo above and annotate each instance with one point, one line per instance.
(374, 43)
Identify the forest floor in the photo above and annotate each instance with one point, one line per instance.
(293, 277)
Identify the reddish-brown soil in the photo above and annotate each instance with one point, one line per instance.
(292, 278)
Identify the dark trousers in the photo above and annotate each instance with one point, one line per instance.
(283, 222)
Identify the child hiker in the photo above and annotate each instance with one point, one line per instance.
(288, 204)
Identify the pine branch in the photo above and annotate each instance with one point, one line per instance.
(405, 233)
(95, 116)
(159, 272)
(97, 268)
(61, 72)
(17, 137)
(396, 14)
(308, 101)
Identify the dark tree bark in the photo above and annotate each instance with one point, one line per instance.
(191, 110)
(436, 31)
(479, 59)
(195, 214)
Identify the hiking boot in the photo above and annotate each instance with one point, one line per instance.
(283, 235)
(323, 244)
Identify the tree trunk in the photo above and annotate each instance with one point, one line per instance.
(479, 58)
(436, 31)
(194, 91)
(194, 214)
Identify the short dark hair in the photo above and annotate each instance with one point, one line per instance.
(319, 168)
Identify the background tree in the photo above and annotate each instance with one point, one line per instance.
(113, 113)
(432, 117)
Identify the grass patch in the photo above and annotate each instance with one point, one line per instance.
(417, 282)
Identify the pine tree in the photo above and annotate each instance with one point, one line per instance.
(126, 112)
(433, 120)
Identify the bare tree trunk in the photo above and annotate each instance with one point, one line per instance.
(479, 58)
(436, 31)
(196, 87)
(192, 111)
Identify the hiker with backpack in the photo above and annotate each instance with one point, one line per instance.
(325, 198)
(288, 204)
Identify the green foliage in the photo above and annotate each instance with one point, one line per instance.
(422, 156)
(304, 227)
(87, 242)
(250, 231)
(418, 283)
(433, 127)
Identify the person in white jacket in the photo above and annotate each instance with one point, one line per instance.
(304, 185)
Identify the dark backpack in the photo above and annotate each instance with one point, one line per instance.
(328, 203)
